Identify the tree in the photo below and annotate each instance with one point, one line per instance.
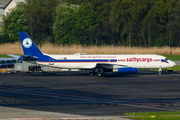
(173, 25)
(102, 33)
(142, 22)
(41, 15)
(64, 26)
(92, 21)
(156, 21)
(76, 2)
(14, 22)
(84, 17)
(123, 21)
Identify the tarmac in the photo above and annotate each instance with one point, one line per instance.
(76, 95)
(177, 62)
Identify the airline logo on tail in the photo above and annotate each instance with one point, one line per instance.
(27, 43)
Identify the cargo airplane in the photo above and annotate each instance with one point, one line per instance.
(98, 64)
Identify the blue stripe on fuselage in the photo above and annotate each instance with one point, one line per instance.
(76, 61)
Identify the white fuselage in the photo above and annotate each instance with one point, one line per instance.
(90, 61)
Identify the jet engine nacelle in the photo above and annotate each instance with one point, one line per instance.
(126, 70)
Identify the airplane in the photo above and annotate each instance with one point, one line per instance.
(97, 63)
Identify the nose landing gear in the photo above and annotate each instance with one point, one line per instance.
(160, 71)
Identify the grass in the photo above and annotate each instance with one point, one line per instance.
(157, 118)
(4, 56)
(176, 68)
(165, 115)
(173, 57)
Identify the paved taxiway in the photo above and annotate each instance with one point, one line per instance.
(75, 95)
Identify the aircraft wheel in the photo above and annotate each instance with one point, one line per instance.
(160, 71)
(99, 74)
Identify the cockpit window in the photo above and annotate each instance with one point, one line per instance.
(166, 58)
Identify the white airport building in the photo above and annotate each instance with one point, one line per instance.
(6, 6)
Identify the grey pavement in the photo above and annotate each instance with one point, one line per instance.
(75, 95)
(177, 62)
(10, 113)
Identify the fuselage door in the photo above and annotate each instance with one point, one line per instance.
(51, 61)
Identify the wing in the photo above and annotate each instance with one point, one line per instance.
(119, 68)
(110, 66)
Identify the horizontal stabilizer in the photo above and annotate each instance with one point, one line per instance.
(28, 58)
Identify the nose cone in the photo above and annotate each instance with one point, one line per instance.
(172, 63)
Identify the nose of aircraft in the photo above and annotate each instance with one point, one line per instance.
(172, 63)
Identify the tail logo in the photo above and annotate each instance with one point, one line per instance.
(27, 43)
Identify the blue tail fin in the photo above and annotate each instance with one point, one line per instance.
(29, 47)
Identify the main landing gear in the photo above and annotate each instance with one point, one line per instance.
(98, 72)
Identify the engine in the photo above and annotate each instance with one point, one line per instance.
(126, 70)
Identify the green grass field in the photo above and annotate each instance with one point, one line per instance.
(167, 115)
(173, 57)
(4, 56)
(176, 68)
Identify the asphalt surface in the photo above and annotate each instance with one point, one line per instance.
(76, 95)
(177, 62)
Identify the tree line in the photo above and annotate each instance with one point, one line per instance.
(96, 22)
